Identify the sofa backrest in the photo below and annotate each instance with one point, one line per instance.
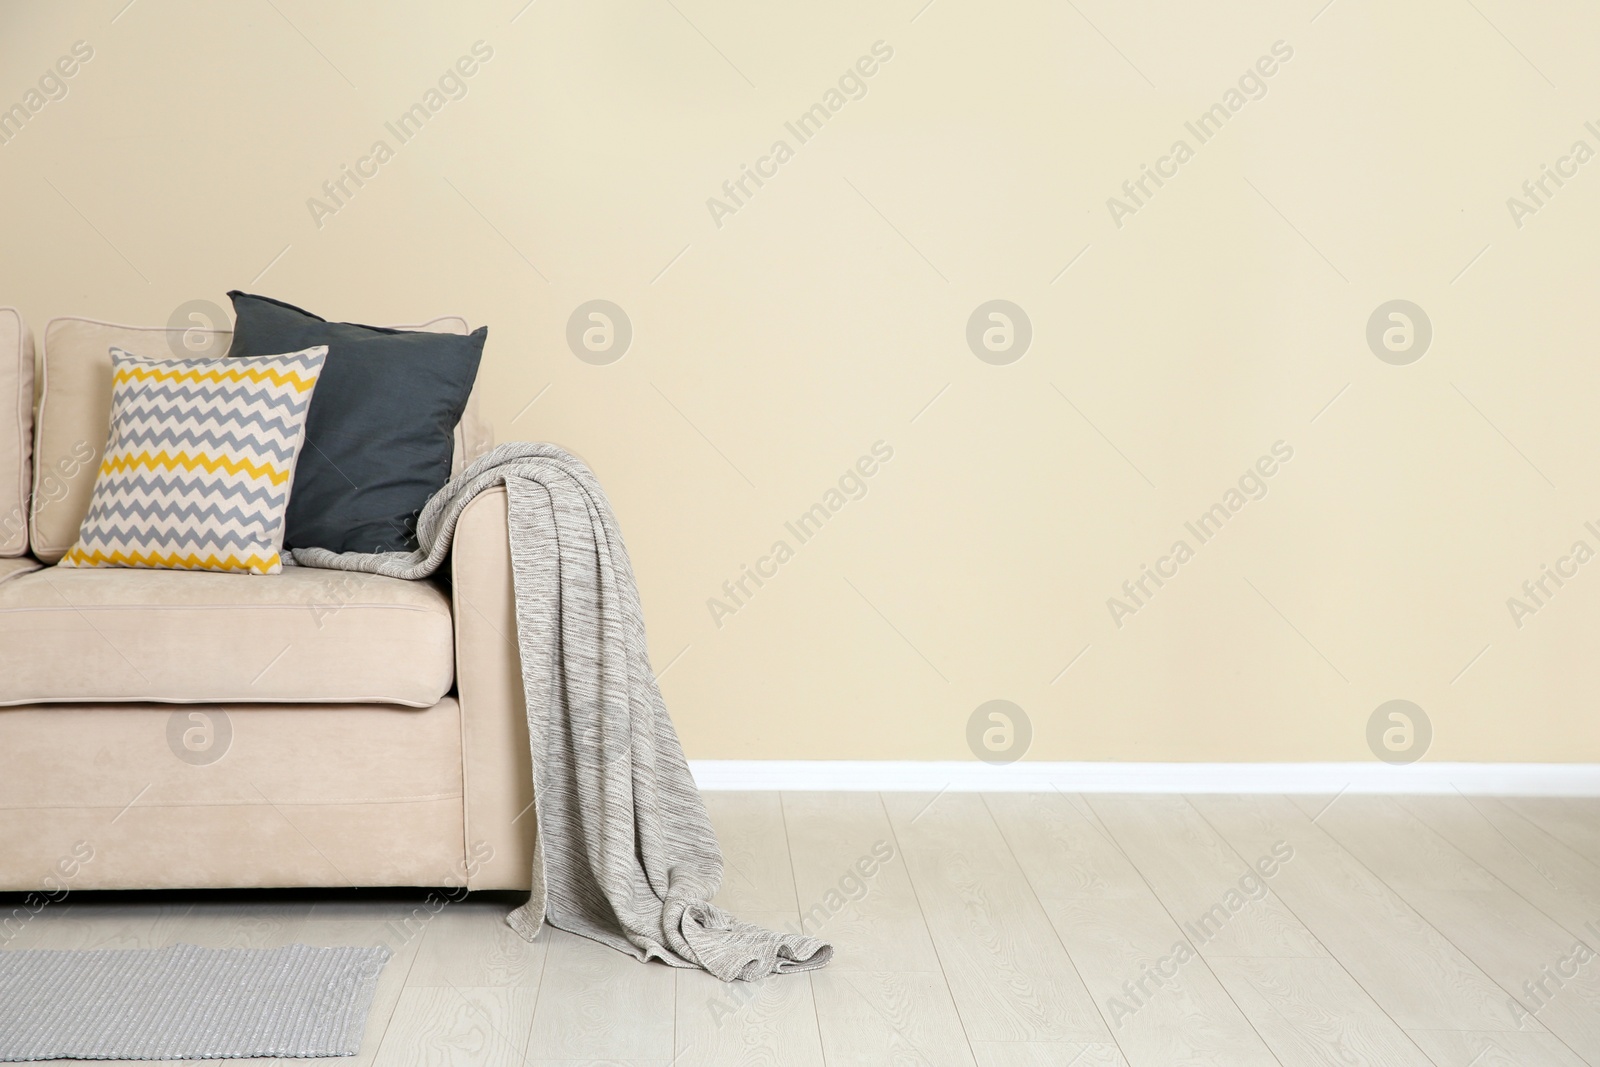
(16, 430)
(75, 412)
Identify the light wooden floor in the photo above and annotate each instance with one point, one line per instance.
(1018, 931)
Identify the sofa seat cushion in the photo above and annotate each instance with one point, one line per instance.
(302, 636)
(16, 568)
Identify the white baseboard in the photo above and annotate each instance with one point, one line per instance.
(1483, 779)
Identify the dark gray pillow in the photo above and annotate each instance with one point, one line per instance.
(381, 431)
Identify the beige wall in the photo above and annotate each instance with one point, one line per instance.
(1222, 316)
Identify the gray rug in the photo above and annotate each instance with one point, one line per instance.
(184, 1002)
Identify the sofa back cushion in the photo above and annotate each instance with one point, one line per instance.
(16, 430)
(75, 412)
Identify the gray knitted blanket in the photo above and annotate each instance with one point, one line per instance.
(626, 854)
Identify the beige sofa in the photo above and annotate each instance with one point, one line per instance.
(313, 728)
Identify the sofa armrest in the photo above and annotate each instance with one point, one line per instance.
(497, 769)
(474, 435)
(16, 432)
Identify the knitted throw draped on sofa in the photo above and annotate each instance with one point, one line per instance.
(626, 854)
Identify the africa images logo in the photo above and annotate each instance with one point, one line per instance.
(1251, 85)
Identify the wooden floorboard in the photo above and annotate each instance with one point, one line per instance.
(1007, 930)
(461, 1026)
(1524, 950)
(597, 1003)
(1155, 992)
(1575, 821)
(1560, 881)
(870, 1018)
(1010, 978)
(1224, 900)
(1310, 1011)
(1468, 1048)
(771, 1021)
(1409, 968)
(854, 889)
(1161, 1005)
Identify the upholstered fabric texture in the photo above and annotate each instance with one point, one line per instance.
(199, 463)
(75, 408)
(265, 795)
(303, 635)
(16, 431)
(16, 568)
(497, 762)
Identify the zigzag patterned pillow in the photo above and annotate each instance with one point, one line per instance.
(199, 463)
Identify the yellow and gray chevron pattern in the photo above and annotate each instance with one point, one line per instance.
(199, 463)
